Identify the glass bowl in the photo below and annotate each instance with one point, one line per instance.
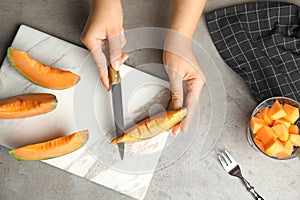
(268, 103)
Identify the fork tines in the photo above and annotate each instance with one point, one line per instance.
(227, 160)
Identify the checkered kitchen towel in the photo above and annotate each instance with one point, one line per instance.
(261, 42)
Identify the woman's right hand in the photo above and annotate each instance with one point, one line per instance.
(105, 21)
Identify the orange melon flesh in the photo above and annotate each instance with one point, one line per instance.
(293, 129)
(281, 131)
(152, 126)
(40, 74)
(52, 148)
(288, 147)
(273, 147)
(256, 124)
(258, 115)
(266, 134)
(292, 113)
(295, 139)
(276, 132)
(276, 111)
(27, 105)
(264, 113)
(259, 143)
(282, 121)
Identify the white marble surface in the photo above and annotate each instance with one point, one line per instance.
(87, 106)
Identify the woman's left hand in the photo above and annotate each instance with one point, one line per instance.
(183, 68)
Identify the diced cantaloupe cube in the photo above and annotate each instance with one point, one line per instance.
(292, 113)
(295, 139)
(282, 121)
(258, 115)
(259, 143)
(276, 111)
(265, 134)
(294, 129)
(264, 113)
(288, 147)
(273, 147)
(281, 131)
(256, 124)
(282, 154)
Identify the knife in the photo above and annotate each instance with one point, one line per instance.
(116, 92)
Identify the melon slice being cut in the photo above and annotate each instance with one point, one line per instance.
(40, 74)
(52, 148)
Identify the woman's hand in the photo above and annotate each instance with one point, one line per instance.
(183, 67)
(180, 62)
(105, 21)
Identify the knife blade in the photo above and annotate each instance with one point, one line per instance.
(116, 92)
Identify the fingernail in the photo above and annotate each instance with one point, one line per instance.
(176, 104)
(126, 57)
(183, 128)
(116, 65)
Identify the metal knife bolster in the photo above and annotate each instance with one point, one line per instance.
(115, 82)
(114, 76)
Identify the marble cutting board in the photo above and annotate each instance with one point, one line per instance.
(86, 106)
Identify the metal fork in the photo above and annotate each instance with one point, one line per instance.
(233, 168)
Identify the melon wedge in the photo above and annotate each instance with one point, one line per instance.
(151, 126)
(40, 74)
(27, 105)
(52, 148)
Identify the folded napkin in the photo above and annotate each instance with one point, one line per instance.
(260, 41)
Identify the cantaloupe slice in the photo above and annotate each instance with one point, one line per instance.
(292, 113)
(264, 113)
(152, 126)
(273, 147)
(40, 74)
(27, 105)
(293, 129)
(52, 148)
(256, 124)
(284, 121)
(276, 111)
(266, 134)
(295, 139)
(281, 131)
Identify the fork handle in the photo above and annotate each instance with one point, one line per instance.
(250, 189)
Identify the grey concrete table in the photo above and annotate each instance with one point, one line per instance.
(189, 177)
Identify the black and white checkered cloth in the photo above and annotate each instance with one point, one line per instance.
(261, 42)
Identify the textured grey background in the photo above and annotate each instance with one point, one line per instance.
(189, 177)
